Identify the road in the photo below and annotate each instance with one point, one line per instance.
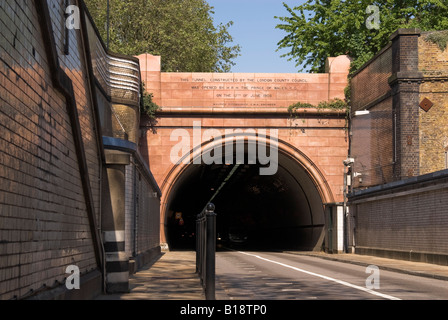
(283, 276)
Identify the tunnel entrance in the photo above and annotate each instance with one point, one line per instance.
(283, 211)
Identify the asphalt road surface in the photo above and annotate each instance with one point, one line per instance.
(246, 275)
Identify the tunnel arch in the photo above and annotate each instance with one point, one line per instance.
(294, 167)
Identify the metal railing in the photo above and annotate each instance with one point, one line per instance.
(206, 249)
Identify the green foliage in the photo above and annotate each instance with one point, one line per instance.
(181, 31)
(147, 106)
(299, 105)
(439, 38)
(348, 92)
(318, 29)
(335, 104)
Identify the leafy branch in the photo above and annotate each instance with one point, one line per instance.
(148, 107)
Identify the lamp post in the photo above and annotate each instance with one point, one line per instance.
(348, 164)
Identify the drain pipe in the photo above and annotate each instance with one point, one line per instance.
(446, 157)
(136, 202)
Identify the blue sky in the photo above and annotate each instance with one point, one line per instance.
(254, 30)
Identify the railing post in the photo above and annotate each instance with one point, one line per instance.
(210, 252)
(206, 249)
(198, 242)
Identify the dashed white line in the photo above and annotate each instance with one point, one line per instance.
(347, 284)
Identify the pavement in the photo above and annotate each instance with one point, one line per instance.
(171, 275)
(421, 269)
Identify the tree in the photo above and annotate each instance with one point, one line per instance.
(181, 31)
(319, 29)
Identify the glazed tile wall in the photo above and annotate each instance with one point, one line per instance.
(44, 225)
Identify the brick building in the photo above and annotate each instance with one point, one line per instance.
(399, 140)
(73, 187)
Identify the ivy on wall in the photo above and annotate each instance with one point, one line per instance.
(335, 104)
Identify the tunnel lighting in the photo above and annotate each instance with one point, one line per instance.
(224, 182)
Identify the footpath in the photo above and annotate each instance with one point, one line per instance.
(421, 269)
(171, 276)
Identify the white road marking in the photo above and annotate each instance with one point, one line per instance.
(291, 290)
(347, 284)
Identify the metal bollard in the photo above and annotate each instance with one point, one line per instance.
(210, 253)
(198, 243)
(206, 249)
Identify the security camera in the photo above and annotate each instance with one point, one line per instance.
(348, 161)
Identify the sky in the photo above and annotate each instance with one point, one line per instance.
(254, 30)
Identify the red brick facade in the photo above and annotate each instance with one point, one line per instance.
(249, 101)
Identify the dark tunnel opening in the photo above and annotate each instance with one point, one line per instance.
(283, 211)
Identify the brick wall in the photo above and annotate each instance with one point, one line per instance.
(417, 143)
(388, 87)
(405, 220)
(44, 222)
(372, 134)
(58, 181)
(405, 83)
(433, 63)
(75, 66)
(371, 82)
(403, 216)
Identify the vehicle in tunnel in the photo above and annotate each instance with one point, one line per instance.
(238, 236)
